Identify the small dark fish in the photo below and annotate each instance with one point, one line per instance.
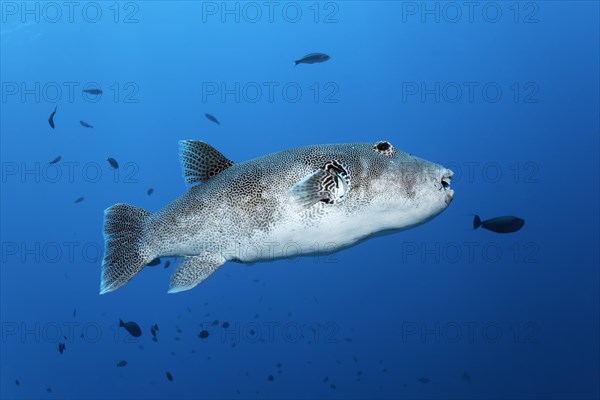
(122, 363)
(49, 390)
(325, 380)
(74, 312)
(167, 263)
(153, 263)
(215, 322)
(17, 382)
(61, 347)
(131, 327)
(203, 334)
(85, 124)
(271, 378)
(506, 224)
(424, 380)
(93, 91)
(79, 200)
(178, 329)
(150, 191)
(252, 332)
(169, 376)
(312, 58)
(333, 386)
(212, 118)
(225, 324)
(113, 163)
(57, 159)
(467, 377)
(51, 119)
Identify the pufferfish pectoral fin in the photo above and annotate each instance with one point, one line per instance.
(328, 184)
(200, 161)
(194, 271)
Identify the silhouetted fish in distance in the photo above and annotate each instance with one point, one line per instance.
(312, 58)
(150, 191)
(506, 224)
(79, 200)
(51, 119)
(85, 124)
(122, 363)
(131, 327)
(93, 91)
(169, 376)
(57, 159)
(113, 163)
(212, 118)
(61, 347)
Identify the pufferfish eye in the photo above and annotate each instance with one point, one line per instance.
(385, 148)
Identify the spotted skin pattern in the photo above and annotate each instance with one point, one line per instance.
(298, 202)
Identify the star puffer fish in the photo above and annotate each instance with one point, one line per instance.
(298, 202)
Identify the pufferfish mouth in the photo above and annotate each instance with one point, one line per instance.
(446, 179)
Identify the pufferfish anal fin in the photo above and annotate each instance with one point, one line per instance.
(329, 184)
(200, 161)
(193, 271)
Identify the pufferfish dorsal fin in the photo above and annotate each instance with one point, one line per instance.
(329, 184)
(200, 161)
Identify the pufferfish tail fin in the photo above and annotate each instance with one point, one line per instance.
(124, 252)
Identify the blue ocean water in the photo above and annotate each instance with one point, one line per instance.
(506, 94)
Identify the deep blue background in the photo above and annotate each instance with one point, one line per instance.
(396, 308)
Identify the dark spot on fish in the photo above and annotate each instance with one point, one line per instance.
(113, 163)
(271, 378)
(122, 363)
(131, 327)
(203, 334)
(57, 159)
(51, 118)
(169, 376)
(212, 118)
(150, 191)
